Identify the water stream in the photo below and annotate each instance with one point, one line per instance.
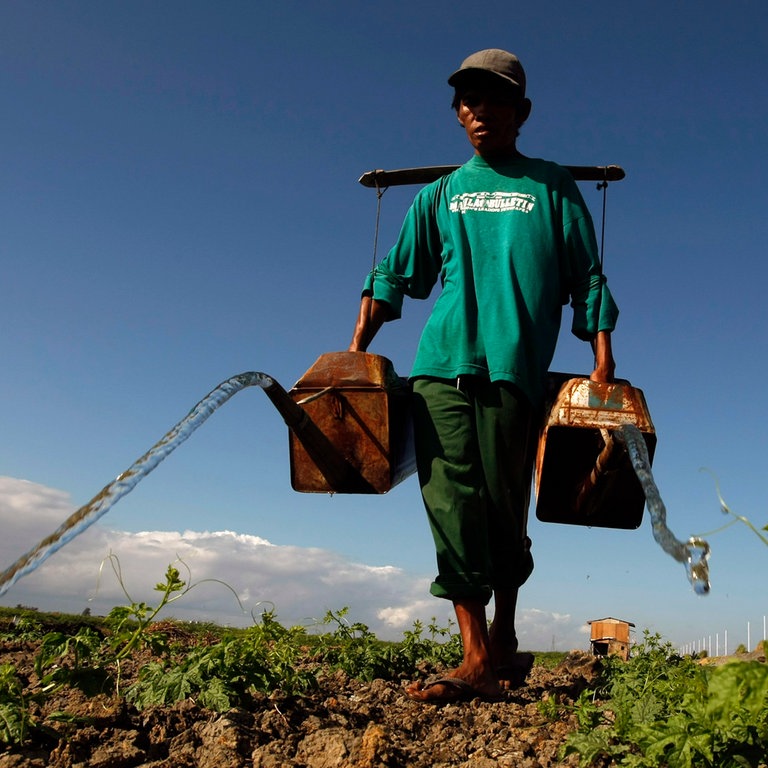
(693, 554)
(124, 483)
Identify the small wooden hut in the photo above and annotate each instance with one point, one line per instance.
(610, 637)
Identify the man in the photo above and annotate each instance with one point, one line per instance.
(511, 241)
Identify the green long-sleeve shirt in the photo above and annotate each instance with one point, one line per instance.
(511, 243)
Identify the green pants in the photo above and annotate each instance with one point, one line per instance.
(474, 450)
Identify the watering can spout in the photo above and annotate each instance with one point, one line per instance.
(340, 475)
(349, 425)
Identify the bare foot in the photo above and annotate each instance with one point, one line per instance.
(511, 666)
(512, 672)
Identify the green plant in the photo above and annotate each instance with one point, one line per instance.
(129, 623)
(588, 713)
(15, 718)
(86, 661)
(354, 649)
(549, 659)
(549, 707)
(264, 659)
(659, 709)
(24, 627)
(70, 660)
(443, 647)
(726, 510)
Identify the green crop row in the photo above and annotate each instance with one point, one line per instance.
(219, 668)
(661, 709)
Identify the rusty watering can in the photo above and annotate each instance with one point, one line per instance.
(350, 425)
(583, 474)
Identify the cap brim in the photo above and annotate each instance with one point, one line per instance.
(462, 74)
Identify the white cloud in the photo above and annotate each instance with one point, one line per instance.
(301, 583)
(545, 630)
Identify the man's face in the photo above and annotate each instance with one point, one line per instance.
(491, 115)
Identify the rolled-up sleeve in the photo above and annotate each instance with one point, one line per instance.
(384, 285)
(594, 308)
(412, 267)
(596, 311)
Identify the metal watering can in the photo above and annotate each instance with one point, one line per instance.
(583, 474)
(350, 425)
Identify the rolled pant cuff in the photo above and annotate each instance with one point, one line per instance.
(461, 590)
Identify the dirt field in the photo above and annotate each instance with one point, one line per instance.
(342, 723)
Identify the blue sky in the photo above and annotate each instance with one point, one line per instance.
(179, 204)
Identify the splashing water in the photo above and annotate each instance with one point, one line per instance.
(693, 554)
(124, 483)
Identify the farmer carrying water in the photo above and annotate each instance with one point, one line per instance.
(511, 240)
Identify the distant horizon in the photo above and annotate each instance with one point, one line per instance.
(688, 649)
